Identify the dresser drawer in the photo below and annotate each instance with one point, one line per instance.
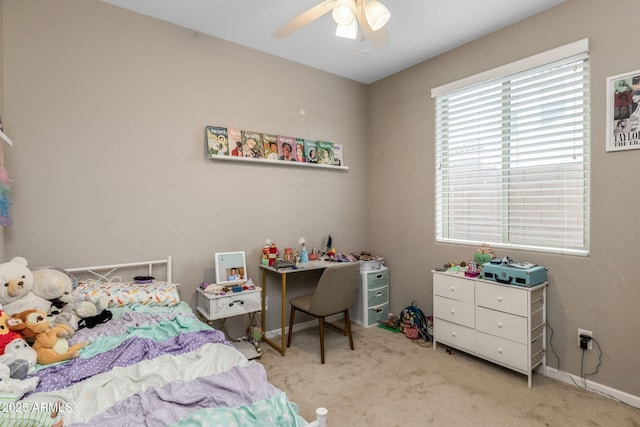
(502, 351)
(501, 324)
(377, 296)
(455, 335)
(454, 311)
(453, 287)
(219, 307)
(377, 278)
(503, 298)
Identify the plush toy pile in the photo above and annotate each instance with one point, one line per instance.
(38, 313)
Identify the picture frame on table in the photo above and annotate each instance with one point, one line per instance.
(623, 112)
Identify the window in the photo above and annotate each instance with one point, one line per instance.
(512, 155)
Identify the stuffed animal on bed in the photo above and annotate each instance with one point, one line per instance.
(14, 350)
(16, 295)
(14, 386)
(50, 343)
(56, 285)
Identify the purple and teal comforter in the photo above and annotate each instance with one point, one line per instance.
(160, 368)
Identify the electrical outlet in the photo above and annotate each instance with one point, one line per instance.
(588, 333)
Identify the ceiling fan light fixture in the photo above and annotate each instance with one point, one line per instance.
(344, 12)
(348, 31)
(377, 15)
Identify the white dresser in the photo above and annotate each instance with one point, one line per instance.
(372, 301)
(504, 324)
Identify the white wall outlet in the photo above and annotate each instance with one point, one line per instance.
(588, 333)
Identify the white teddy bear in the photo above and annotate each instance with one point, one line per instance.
(13, 386)
(16, 285)
(57, 284)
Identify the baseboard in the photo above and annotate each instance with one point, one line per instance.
(603, 390)
(299, 326)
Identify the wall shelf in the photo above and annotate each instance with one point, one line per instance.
(278, 162)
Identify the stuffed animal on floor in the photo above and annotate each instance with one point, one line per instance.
(56, 285)
(14, 350)
(13, 386)
(16, 295)
(50, 343)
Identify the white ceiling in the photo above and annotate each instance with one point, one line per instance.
(418, 29)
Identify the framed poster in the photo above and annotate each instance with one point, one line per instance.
(623, 112)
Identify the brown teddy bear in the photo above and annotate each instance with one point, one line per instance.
(50, 344)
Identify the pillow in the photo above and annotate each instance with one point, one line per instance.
(120, 294)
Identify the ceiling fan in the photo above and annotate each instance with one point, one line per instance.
(371, 16)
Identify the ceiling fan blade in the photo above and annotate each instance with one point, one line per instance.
(376, 38)
(305, 18)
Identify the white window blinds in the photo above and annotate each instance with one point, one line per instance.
(512, 160)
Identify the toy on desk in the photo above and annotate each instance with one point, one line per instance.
(273, 253)
(265, 255)
(304, 255)
(288, 254)
(313, 256)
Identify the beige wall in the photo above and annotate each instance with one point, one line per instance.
(599, 292)
(107, 109)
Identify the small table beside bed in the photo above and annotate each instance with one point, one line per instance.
(154, 363)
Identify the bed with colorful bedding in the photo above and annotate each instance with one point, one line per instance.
(153, 364)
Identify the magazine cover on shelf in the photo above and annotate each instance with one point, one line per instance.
(285, 147)
(217, 140)
(337, 155)
(325, 153)
(300, 150)
(623, 112)
(235, 141)
(252, 144)
(311, 151)
(270, 146)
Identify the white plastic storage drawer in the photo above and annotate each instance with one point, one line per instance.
(214, 307)
(377, 296)
(377, 279)
(377, 314)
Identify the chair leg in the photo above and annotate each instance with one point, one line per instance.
(291, 317)
(347, 326)
(321, 320)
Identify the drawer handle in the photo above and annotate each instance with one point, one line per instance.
(233, 302)
(379, 293)
(378, 310)
(500, 299)
(499, 324)
(453, 311)
(453, 334)
(500, 350)
(453, 288)
(379, 276)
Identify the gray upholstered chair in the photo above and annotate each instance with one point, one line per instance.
(334, 294)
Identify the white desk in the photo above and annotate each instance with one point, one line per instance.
(283, 272)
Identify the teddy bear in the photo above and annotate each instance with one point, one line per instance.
(50, 343)
(56, 285)
(14, 350)
(14, 386)
(16, 295)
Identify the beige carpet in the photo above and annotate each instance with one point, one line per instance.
(391, 381)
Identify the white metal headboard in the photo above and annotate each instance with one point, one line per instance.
(149, 264)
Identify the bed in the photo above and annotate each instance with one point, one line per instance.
(153, 364)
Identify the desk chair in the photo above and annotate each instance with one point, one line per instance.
(334, 294)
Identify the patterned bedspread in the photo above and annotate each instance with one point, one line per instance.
(155, 366)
